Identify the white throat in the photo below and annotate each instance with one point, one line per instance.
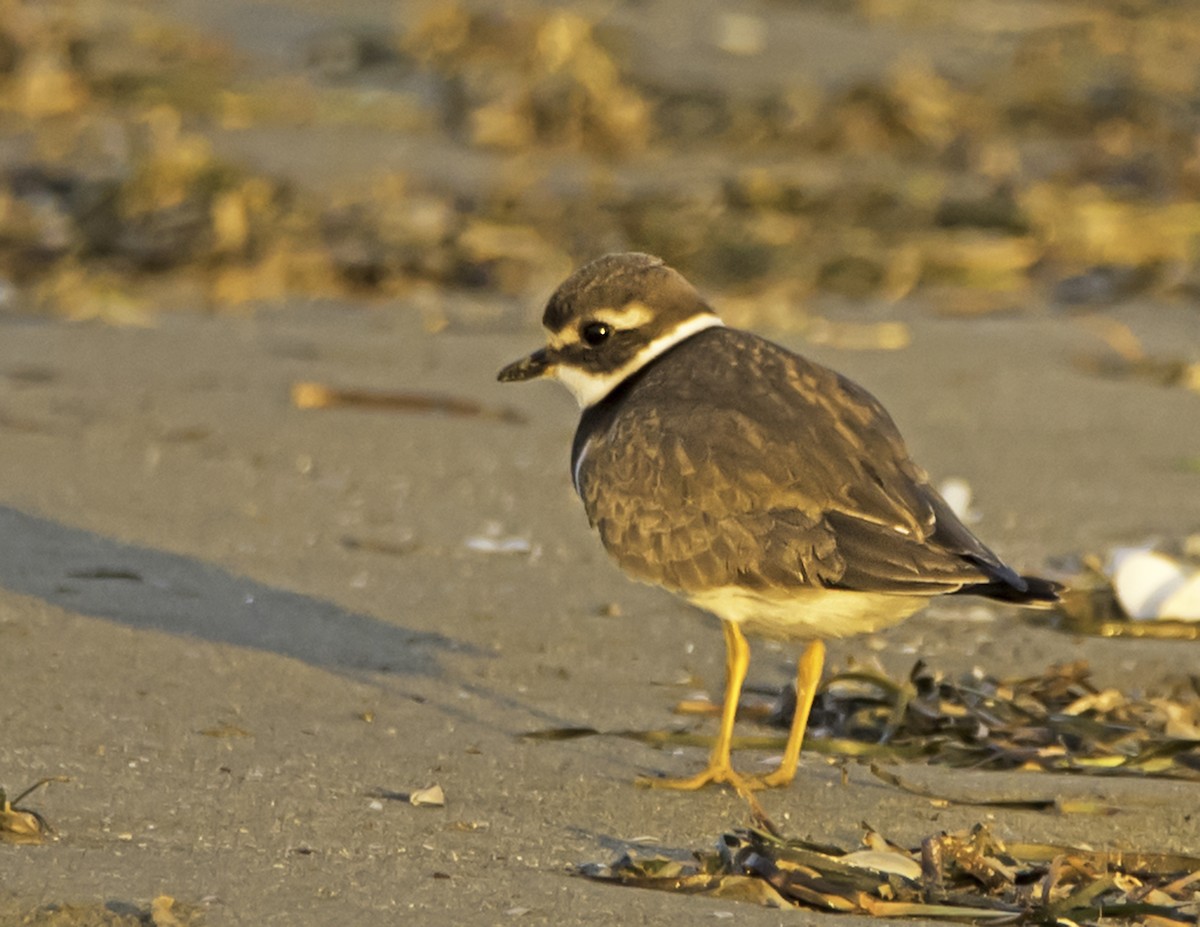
(589, 388)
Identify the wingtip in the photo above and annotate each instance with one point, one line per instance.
(1038, 589)
(1037, 592)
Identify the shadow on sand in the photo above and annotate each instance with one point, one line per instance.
(146, 588)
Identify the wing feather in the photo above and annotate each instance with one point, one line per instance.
(730, 460)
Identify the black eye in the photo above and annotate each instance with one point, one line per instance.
(596, 333)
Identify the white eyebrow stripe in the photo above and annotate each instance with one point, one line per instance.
(633, 314)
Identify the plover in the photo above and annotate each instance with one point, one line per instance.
(760, 486)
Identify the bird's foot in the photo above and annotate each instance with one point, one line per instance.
(717, 774)
(777, 779)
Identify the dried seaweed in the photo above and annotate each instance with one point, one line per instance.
(309, 395)
(968, 876)
(1128, 358)
(1058, 721)
(162, 911)
(24, 825)
(1063, 161)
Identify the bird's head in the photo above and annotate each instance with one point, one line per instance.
(610, 318)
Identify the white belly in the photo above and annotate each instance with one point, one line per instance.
(810, 613)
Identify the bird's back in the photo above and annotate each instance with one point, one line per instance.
(729, 461)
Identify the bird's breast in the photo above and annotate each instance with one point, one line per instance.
(808, 612)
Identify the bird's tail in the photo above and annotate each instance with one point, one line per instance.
(1038, 592)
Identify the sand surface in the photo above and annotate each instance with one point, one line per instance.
(232, 623)
(246, 631)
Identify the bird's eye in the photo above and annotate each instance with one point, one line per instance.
(595, 334)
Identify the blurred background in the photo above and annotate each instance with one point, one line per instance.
(977, 156)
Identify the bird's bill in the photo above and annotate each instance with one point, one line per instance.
(536, 365)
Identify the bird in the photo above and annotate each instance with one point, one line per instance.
(757, 485)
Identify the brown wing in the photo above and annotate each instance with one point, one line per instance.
(701, 474)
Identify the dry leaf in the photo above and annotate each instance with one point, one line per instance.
(429, 797)
(161, 914)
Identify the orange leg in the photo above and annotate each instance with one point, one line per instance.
(808, 676)
(720, 768)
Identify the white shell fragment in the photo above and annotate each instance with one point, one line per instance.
(1152, 585)
(957, 493)
(509, 545)
(493, 540)
(1184, 603)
